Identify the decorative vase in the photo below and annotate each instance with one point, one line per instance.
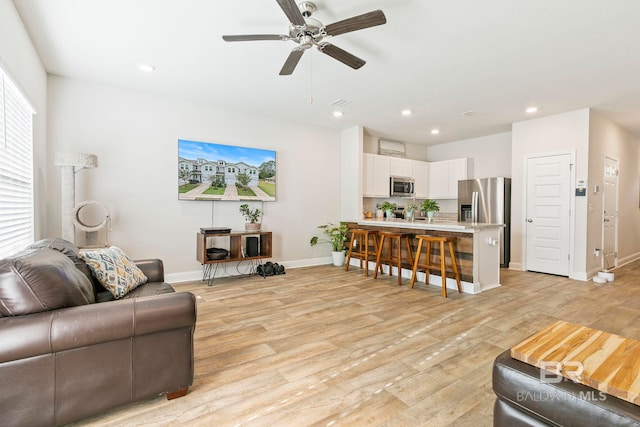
(430, 215)
(388, 214)
(338, 258)
(252, 226)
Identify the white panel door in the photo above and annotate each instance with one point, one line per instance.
(610, 214)
(548, 214)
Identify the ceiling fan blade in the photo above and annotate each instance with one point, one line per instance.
(366, 20)
(290, 8)
(291, 62)
(341, 55)
(252, 37)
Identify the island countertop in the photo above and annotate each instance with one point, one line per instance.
(444, 225)
(477, 249)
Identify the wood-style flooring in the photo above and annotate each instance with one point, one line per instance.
(323, 347)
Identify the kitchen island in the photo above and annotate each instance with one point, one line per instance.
(477, 249)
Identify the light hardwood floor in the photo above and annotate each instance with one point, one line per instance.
(323, 347)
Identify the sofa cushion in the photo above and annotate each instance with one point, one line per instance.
(38, 280)
(72, 252)
(149, 289)
(114, 269)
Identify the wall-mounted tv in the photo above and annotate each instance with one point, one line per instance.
(209, 171)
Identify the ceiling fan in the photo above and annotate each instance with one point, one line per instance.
(308, 32)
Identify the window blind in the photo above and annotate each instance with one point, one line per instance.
(16, 168)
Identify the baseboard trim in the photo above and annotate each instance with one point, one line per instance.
(628, 259)
(225, 271)
(515, 266)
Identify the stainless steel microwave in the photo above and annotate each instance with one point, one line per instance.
(401, 187)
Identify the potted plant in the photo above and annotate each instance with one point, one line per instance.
(388, 209)
(252, 216)
(430, 206)
(410, 210)
(336, 236)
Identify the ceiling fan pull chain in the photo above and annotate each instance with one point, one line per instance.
(311, 79)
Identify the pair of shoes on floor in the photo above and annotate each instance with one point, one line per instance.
(270, 269)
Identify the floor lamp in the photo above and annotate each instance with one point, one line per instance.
(70, 164)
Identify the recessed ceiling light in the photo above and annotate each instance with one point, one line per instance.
(406, 112)
(532, 110)
(337, 114)
(435, 131)
(146, 68)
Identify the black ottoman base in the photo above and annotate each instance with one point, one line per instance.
(523, 399)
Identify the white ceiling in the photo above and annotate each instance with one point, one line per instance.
(438, 58)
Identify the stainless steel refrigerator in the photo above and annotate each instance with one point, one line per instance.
(488, 200)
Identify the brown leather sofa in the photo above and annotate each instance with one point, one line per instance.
(65, 356)
(523, 399)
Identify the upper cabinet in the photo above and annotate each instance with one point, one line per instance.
(444, 177)
(376, 175)
(458, 170)
(421, 179)
(401, 167)
(433, 180)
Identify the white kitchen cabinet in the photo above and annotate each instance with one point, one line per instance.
(421, 179)
(376, 175)
(444, 177)
(458, 170)
(401, 167)
(439, 180)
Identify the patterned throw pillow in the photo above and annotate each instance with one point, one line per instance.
(115, 270)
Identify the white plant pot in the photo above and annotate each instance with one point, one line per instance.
(338, 258)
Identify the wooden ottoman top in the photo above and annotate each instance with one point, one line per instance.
(598, 359)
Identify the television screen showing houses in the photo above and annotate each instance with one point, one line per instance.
(208, 171)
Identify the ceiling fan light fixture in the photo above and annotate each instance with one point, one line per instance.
(308, 32)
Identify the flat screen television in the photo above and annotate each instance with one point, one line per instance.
(209, 171)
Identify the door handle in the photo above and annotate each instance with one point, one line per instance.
(529, 220)
(606, 220)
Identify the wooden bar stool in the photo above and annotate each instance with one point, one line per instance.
(395, 239)
(441, 241)
(361, 250)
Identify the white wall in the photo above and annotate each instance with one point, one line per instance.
(567, 132)
(488, 156)
(351, 143)
(609, 139)
(19, 57)
(135, 137)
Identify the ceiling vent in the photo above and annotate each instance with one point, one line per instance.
(339, 103)
(391, 148)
